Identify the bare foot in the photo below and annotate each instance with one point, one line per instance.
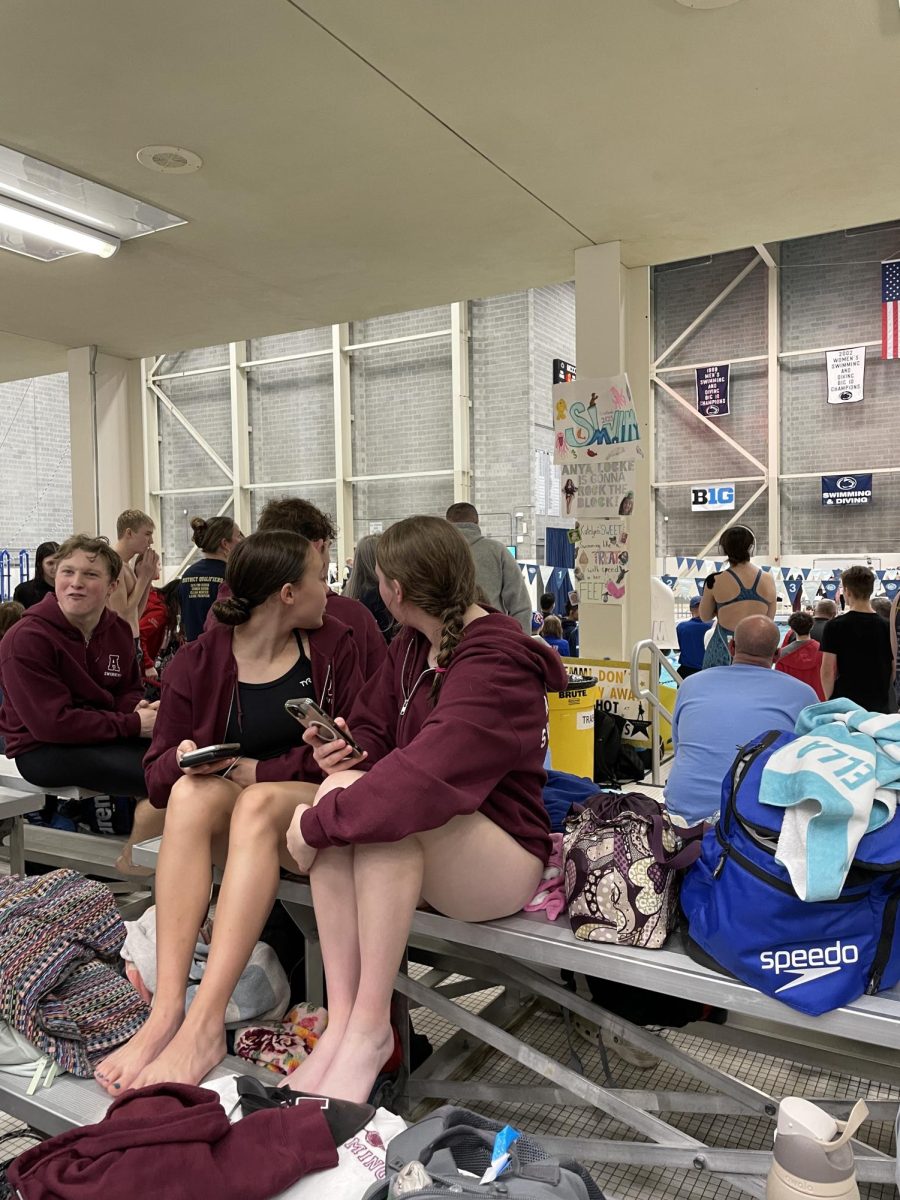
(307, 1076)
(126, 867)
(117, 1072)
(188, 1058)
(357, 1065)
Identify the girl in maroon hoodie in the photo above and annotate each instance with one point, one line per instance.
(272, 643)
(447, 807)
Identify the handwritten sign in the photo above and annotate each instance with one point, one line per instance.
(594, 420)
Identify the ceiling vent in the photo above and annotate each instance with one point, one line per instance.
(169, 160)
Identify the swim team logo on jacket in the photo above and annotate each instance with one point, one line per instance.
(197, 693)
(480, 748)
(57, 689)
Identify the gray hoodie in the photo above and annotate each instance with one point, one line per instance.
(498, 575)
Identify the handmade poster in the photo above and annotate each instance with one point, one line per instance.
(601, 559)
(597, 489)
(712, 390)
(594, 421)
(846, 374)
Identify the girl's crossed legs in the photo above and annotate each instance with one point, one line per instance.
(364, 898)
(209, 820)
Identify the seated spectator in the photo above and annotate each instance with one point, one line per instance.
(299, 516)
(691, 644)
(10, 612)
(551, 632)
(802, 657)
(449, 811)
(160, 631)
(31, 591)
(719, 710)
(215, 540)
(857, 659)
(140, 566)
(496, 571)
(362, 584)
(570, 624)
(742, 589)
(73, 713)
(272, 642)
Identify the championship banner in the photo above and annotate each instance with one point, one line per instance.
(846, 374)
(594, 421)
(712, 390)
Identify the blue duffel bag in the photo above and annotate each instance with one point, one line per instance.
(744, 914)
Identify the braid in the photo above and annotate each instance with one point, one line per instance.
(451, 634)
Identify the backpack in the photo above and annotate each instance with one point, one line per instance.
(454, 1147)
(614, 760)
(744, 914)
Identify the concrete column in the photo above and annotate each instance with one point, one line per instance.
(612, 332)
(107, 446)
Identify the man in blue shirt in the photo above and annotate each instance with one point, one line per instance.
(691, 636)
(723, 708)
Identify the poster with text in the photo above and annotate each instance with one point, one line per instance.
(601, 559)
(594, 421)
(846, 374)
(597, 489)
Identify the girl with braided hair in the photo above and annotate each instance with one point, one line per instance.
(445, 807)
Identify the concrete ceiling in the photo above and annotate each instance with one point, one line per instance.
(371, 156)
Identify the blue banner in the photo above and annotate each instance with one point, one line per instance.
(793, 587)
(830, 587)
(891, 588)
(712, 390)
(669, 580)
(532, 572)
(701, 584)
(844, 490)
(806, 571)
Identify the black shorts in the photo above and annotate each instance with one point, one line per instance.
(113, 768)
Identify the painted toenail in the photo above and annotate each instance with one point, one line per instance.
(117, 1085)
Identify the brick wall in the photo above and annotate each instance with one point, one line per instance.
(829, 296)
(36, 480)
(551, 312)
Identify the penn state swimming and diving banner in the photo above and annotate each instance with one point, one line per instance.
(712, 390)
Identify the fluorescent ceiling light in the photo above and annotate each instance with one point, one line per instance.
(56, 210)
(58, 231)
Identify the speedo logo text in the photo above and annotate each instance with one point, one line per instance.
(808, 963)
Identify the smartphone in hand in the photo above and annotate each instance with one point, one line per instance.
(209, 754)
(311, 716)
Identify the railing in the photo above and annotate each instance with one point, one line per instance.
(651, 696)
(6, 584)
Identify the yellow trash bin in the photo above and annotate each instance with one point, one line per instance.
(572, 728)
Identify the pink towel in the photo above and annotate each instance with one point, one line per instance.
(550, 898)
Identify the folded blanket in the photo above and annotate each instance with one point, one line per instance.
(837, 782)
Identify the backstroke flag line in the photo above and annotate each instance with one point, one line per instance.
(890, 308)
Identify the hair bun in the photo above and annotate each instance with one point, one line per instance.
(234, 610)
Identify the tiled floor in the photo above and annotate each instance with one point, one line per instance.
(544, 1030)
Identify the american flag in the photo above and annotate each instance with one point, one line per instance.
(890, 309)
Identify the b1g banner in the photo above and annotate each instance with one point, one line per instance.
(712, 497)
(846, 374)
(712, 390)
(844, 490)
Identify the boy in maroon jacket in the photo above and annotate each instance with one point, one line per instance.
(73, 713)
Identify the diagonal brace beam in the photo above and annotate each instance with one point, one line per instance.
(191, 429)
